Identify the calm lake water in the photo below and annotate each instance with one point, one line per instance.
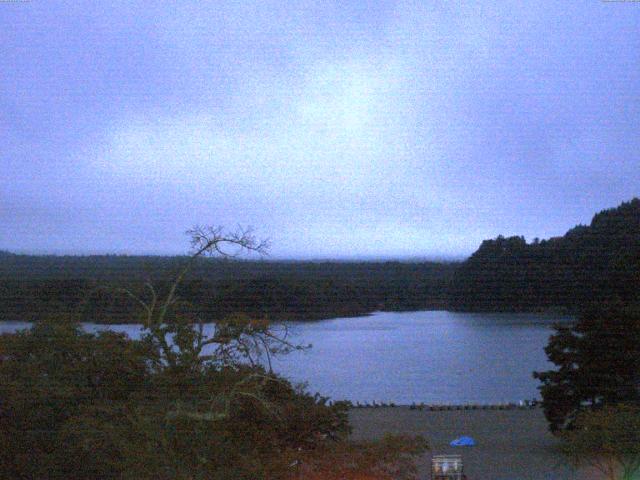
(431, 356)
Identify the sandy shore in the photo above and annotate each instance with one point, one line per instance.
(511, 444)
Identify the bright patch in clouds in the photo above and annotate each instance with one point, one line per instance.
(337, 130)
(406, 128)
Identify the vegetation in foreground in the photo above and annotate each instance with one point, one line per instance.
(598, 365)
(592, 399)
(608, 440)
(176, 404)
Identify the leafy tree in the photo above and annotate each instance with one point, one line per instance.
(181, 403)
(608, 440)
(47, 376)
(598, 364)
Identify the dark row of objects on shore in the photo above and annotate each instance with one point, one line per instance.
(523, 405)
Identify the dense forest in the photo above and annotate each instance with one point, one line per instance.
(32, 287)
(595, 263)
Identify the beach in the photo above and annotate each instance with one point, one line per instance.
(511, 444)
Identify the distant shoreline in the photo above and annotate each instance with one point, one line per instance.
(549, 312)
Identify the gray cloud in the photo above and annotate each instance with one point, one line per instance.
(389, 129)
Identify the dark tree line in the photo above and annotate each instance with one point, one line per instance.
(599, 262)
(31, 287)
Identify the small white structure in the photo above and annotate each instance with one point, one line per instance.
(447, 467)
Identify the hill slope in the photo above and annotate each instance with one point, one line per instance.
(599, 262)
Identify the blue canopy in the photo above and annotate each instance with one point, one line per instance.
(463, 442)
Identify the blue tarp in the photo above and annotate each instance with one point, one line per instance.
(463, 442)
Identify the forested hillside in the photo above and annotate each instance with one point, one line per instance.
(32, 287)
(595, 263)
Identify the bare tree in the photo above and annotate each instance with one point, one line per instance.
(181, 341)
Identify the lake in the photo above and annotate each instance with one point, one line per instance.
(405, 357)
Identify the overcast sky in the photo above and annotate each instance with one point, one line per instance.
(337, 130)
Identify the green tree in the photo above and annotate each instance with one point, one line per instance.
(598, 364)
(608, 440)
(48, 375)
(183, 402)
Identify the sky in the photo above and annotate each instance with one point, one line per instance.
(335, 129)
